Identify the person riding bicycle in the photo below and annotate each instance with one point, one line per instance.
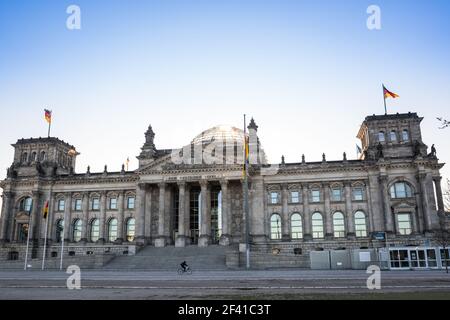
(184, 265)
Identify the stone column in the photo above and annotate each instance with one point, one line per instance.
(307, 215)
(140, 213)
(35, 217)
(440, 198)
(388, 216)
(349, 212)
(67, 218)
(120, 217)
(103, 229)
(6, 216)
(205, 227)
(425, 202)
(161, 240)
(327, 214)
(85, 232)
(419, 212)
(187, 218)
(180, 241)
(225, 237)
(285, 234)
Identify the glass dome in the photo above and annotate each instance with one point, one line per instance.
(220, 133)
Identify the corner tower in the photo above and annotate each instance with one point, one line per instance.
(392, 136)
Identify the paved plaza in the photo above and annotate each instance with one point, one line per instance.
(269, 284)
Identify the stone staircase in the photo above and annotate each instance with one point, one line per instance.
(169, 258)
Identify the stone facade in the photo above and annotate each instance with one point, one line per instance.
(393, 189)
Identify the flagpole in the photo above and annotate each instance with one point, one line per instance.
(30, 221)
(246, 215)
(46, 230)
(384, 97)
(62, 240)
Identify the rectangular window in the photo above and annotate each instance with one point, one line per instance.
(61, 205)
(358, 194)
(336, 194)
(95, 204)
(113, 204)
(77, 205)
(295, 197)
(274, 197)
(315, 196)
(130, 203)
(404, 223)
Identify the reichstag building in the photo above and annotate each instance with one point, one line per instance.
(193, 196)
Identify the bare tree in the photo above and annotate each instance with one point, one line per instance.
(447, 196)
(442, 238)
(444, 123)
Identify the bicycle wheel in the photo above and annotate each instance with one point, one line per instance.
(189, 271)
(180, 271)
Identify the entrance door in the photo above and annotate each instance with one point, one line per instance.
(418, 258)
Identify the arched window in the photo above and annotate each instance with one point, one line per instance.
(59, 230)
(405, 135)
(401, 190)
(317, 225)
(42, 157)
(95, 230)
(360, 224)
(33, 157)
(296, 226)
(112, 230)
(275, 227)
(338, 225)
(393, 136)
(131, 229)
(381, 137)
(24, 157)
(26, 204)
(77, 228)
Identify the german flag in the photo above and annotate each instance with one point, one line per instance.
(45, 210)
(246, 154)
(389, 94)
(48, 116)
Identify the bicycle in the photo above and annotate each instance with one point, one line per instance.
(181, 270)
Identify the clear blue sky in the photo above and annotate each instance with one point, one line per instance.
(307, 71)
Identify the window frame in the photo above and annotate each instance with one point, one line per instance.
(127, 229)
(359, 232)
(110, 203)
(313, 198)
(128, 202)
(291, 198)
(95, 200)
(337, 233)
(317, 234)
(111, 231)
(278, 227)
(271, 198)
(354, 189)
(299, 234)
(401, 230)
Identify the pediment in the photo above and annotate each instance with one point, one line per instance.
(158, 165)
(404, 205)
(22, 216)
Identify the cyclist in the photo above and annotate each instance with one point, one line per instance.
(184, 265)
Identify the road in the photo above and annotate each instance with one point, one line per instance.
(268, 284)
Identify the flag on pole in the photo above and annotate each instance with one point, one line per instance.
(48, 116)
(246, 154)
(389, 94)
(45, 210)
(358, 149)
